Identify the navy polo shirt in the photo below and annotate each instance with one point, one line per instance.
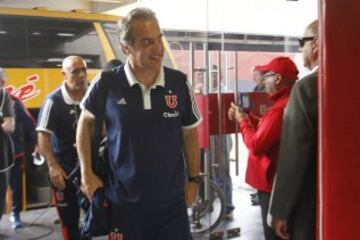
(144, 132)
(59, 116)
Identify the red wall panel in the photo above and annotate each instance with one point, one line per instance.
(203, 129)
(208, 107)
(339, 90)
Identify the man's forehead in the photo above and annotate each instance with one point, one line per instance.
(145, 28)
(73, 63)
(76, 63)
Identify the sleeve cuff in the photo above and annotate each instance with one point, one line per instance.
(194, 125)
(41, 129)
(86, 111)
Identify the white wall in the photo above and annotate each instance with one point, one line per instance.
(274, 17)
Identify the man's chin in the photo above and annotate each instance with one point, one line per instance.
(79, 88)
(156, 65)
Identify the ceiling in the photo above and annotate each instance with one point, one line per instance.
(274, 17)
(67, 5)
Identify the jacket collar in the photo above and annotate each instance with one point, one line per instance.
(283, 92)
(160, 80)
(68, 100)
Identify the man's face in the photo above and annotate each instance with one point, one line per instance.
(258, 78)
(214, 79)
(308, 49)
(146, 50)
(199, 82)
(271, 81)
(75, 75)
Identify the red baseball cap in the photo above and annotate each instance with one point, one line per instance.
(256, 68)
(281, 65)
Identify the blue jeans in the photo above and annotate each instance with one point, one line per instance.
(221, 173)
(16, 185)
(3, 186)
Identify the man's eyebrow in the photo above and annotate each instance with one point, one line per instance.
(149, 38)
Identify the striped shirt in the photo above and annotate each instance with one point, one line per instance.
(58, 116)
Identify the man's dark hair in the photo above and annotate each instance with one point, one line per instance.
(126, 24)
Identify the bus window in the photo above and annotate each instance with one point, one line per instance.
(111, 30)
(30, 42)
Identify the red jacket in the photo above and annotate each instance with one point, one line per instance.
(263, 142)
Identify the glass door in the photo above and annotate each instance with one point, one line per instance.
(220, 59)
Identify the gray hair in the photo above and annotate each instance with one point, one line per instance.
(125, 24)
(313, 27)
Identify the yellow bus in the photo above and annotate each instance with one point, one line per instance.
(33, 43)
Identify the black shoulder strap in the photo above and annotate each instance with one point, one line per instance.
(3, 95)
(2, 134)
(104, 84)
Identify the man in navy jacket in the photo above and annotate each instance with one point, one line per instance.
(151, 122)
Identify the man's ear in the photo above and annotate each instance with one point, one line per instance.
(125, 49)
(315, 46)
(278, 79)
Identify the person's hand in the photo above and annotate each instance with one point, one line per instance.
(197, 91)
(191, 189)
(280, 228)
(236, 113)
(89, 183)
(36, 151)
(57, 176)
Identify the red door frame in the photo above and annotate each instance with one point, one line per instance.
(339, 120)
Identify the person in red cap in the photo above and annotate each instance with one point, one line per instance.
(262, 138)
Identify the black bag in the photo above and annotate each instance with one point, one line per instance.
(96, 222)
(99, 144)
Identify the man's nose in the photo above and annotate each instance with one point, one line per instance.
(159, 44)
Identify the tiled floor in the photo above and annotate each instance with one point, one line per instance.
(246, 216)
(39, 225)
(41, 222)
